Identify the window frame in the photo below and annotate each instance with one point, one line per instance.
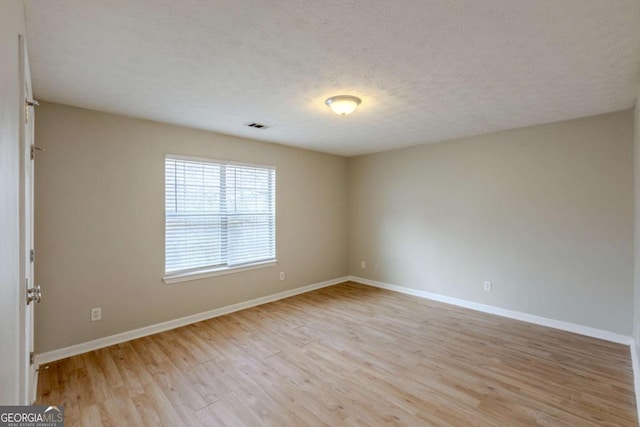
(204, 272)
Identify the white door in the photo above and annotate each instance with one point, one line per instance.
(31, 293)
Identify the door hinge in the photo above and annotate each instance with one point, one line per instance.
(32, 255)
(35, 148)
(32, 358)
(28, 104)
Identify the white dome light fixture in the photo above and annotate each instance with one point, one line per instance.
(343, 104)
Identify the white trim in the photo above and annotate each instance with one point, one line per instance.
(512, 314)
(217, 161)
(73, 350)
(635, 363)
(34, 386)
(204, 273)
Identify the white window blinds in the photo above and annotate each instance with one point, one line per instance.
(218, 215)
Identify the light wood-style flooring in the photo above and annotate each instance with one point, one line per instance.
(349, 355)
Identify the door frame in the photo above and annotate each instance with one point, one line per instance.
(27, 389)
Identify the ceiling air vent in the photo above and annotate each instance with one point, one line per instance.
(257, 126)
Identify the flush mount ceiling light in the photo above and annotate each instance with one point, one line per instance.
(343, 104)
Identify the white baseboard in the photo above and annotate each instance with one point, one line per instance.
(635, 363)
(526, 317)
(73, 350)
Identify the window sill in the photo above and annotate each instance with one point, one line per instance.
(202, 274)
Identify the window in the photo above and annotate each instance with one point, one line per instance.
(218, 216)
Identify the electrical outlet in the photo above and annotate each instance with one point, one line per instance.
(363, 264)
(376, 267)
(487, 286)
(96, 314)
(282, 275)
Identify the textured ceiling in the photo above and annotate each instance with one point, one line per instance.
(426, 70)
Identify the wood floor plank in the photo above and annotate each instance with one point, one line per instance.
(349, 355)
(161, 405)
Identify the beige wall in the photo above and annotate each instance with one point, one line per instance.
(11, 24)
(545, 213)
(100, 223)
